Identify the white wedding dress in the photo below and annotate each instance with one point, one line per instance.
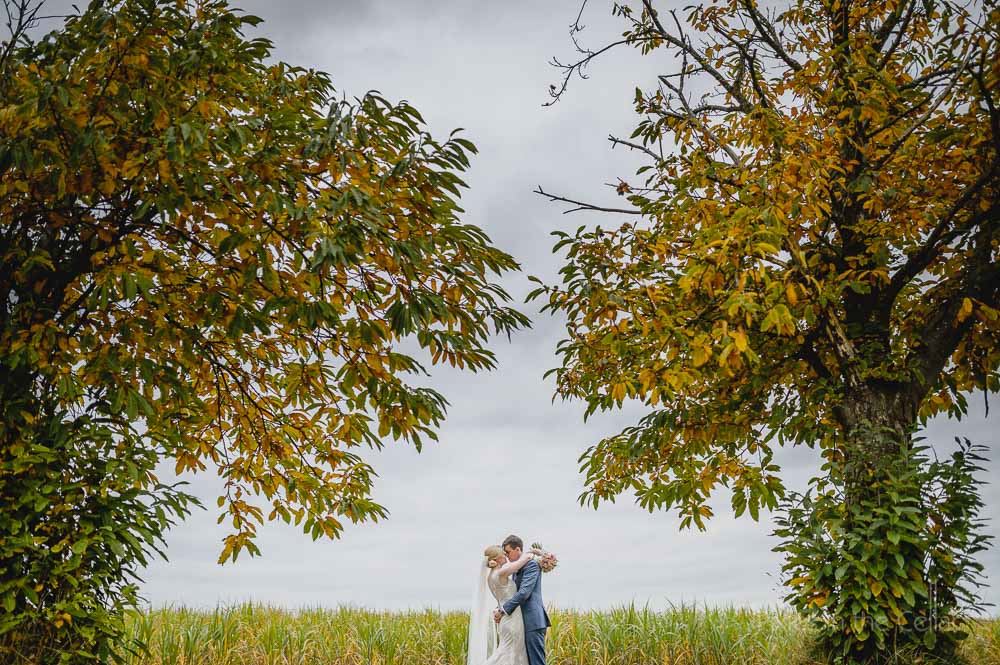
(510, 650)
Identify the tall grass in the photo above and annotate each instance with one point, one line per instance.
(253, 634)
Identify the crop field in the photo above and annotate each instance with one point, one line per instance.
(252, 634)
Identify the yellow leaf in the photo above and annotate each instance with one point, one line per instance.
(790, 294)
(700, 356)
(131, 166)
(107, 186)
(740, 339)
(965, 311)
(204, 108)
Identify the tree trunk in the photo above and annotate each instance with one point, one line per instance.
(878, 424)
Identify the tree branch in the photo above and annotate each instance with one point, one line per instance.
(584, 206)
(768, 34)
(923, 257)
(898, 38)
(685, 45)
(891, 21)
(927, 114)
(635, 146)
(690, 115)
(942, 331)
(578, 67)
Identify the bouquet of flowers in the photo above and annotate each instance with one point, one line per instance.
(548, 560)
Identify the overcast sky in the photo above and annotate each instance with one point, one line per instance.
(507, 459)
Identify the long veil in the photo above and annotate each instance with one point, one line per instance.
(482, 634)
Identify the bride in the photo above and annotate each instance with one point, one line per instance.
(496, 579)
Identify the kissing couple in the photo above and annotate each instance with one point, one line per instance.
(508, 620)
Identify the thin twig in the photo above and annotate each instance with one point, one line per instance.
(581, 205)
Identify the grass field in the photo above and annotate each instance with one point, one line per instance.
(251, 634)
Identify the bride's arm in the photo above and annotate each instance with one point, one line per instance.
(512, 567)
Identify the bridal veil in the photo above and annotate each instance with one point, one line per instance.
(482, 630)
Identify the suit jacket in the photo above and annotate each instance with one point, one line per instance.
(529, 598)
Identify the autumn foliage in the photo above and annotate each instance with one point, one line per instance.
(812, 245)
(212, 258)
(809, 256)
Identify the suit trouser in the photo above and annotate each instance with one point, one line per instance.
(534, 643)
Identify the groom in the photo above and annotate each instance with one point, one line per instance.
(529, 599)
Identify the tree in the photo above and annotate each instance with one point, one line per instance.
(818, 252)
(810, 250)
(209, 258)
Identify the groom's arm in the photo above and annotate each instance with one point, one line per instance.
(531, 573)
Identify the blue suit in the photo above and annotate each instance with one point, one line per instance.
(536, 619)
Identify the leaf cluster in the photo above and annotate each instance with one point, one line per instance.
(897, 571)
(83, 513)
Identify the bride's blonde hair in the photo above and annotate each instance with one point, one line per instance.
(492, 552)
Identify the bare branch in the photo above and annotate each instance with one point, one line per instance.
(767, 33)
(584, 206)
(577, 67)
(686, 47)
(635, 146)
(807, 352)
(696, 120)
(882, 35)
(899, 36)
(21, 17)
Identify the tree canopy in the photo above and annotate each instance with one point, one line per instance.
(212, 258)
(212, 255)
(812, 244)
